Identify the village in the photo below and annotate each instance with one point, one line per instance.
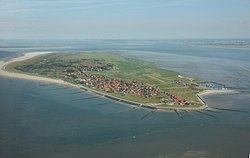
(96, 68)
(82, 75)
(113, 75)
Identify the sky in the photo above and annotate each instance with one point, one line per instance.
(119, 19)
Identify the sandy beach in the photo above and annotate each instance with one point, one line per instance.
(26, 56)
(217, 91)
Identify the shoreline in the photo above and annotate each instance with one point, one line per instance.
(29, 55)
(217, 91)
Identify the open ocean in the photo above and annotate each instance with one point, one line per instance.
(45, 121)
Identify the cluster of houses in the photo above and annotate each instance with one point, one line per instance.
(96, 68)
(183, 83)
(115, 85)
(180, 82)
(178, 100)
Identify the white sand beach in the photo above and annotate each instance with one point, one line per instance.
(26, 56)
(217, 91)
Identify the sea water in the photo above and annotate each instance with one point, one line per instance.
(48, 121)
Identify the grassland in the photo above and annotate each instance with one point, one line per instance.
(93, 68)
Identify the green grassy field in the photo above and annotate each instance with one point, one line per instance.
(57, 65)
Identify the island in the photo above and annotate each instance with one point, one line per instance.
(111, 75)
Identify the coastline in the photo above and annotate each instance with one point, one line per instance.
(217, 91)
(26, 56)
